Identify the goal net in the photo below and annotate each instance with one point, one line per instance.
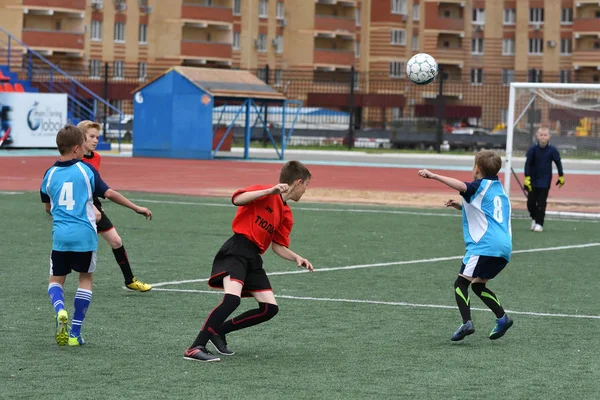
(572, 114)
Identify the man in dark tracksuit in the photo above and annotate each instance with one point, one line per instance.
(538, 176)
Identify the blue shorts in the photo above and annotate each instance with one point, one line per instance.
(484, 267)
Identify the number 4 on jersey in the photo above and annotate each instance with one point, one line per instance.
(66, 196)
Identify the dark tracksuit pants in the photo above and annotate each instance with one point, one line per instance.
(536, 204)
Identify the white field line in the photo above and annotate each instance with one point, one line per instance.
(387, 264)
(589, 217)
(391, 303)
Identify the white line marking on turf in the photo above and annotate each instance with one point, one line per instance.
(387, 264)
(589, 217)
(392, 303)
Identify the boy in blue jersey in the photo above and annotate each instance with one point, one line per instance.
(67, 190)
(488, 238)
(538, 176)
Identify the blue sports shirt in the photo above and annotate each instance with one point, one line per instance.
(486, 219)
(69, 187)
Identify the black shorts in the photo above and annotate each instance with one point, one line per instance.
(63, 262)
(484, 267)
(104, 224)
(240, 258)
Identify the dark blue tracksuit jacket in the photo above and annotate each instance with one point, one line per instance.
(539, 165)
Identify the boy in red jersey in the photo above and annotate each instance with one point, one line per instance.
(263, 218)
(105, 227)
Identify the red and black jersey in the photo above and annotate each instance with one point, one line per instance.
(265, 220)
(93, 159)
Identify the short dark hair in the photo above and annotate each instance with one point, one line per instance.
(489, 162)
(292, 171)
(68, 137)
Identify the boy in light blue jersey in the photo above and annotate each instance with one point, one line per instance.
(488, 238)
(67, 190)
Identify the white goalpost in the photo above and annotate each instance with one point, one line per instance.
(570, 110)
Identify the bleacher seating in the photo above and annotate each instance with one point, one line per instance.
(10, 82)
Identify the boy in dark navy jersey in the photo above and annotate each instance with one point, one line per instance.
(263, 219)
(538, 176)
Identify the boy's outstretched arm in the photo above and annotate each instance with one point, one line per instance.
(118, 198)
(451, 182)
(248, 197)
(289, 255)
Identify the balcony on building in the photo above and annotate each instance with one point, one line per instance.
(197, 13)
(75, 8)
(328, 59)
(48, 41)
(587, 18)
(206, 45)
(448, 50)
(341, 3)
(445, 17)
(335, 18)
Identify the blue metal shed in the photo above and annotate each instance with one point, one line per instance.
(173, 113)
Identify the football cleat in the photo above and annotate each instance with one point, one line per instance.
(139, 286)
(62, 336)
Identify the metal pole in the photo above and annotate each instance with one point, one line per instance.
(510, 127)
(105, 101)
(247, 132)
(440, 127)
(351, 110)
(266, 115)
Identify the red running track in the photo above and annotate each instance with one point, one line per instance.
(196, 177)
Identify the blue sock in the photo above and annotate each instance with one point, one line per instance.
(83, 297)
(57, 296)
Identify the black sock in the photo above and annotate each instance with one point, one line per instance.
(461, 293)
(489, 298)
(123, 261)
(216, 317)
(263, 313)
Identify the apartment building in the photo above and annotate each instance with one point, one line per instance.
(549, 40)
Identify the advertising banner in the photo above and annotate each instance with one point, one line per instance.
(32, 119)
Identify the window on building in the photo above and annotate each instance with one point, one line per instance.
(399, 6)
(476, 76)
(510, 16)
(236, 41)
(566, 46)
(279, 44)
(398, 37)
(118, 70)
(357, 17)
(536, 46)
(477, 46)
(143, 33)
(237, 7)
(478, 16)
(262, 42)
(508, 47)
(95, 68)
(565, 76)
(142, 71)
(415, 42)
(397, 69)
(96, 31)
(535, 75)
(280, 11)
(566, 16)
(278, 77)
(357, 49)
(263, 8)
(119, 32)
(536, 15)
(508, 76)
(416, 12)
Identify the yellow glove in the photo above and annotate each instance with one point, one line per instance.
(561, 181)
(527, 183)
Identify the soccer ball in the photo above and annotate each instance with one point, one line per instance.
(421, 69)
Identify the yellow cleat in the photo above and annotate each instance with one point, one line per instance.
(62, 336)
(139, 286)
(76, 341)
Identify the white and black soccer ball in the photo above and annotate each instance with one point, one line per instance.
(421, 69)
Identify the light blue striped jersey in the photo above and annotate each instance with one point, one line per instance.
(486, 219)
(69, 187)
